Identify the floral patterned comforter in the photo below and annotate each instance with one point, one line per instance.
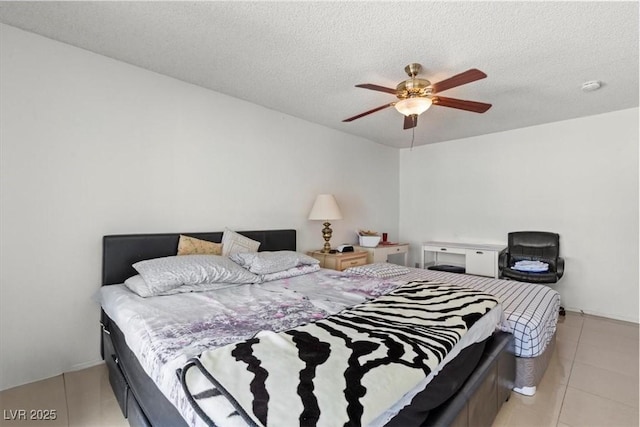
(165, 331)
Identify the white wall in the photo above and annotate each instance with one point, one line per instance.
(92, 146)
(578, 178)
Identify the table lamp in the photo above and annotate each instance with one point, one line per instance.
(325, 209)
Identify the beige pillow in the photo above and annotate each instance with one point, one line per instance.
(192, 246)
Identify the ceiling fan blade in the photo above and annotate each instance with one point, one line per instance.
(378, 88)
(461, 104)
(410, 121)
(382, 107)
(458, 80)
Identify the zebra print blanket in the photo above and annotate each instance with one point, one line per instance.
(345, 369)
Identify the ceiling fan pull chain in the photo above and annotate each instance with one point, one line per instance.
(413, 135)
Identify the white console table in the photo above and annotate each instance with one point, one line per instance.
(481, 260)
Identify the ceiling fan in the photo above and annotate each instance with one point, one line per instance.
(416, 95)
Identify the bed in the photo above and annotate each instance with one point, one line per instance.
(532, 315)
(481, 373)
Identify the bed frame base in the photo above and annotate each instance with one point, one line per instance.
(479, 400)
(529, 370)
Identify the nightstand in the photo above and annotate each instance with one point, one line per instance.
(381, 252)
(339, 261)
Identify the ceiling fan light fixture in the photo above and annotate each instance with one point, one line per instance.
(412, 106)
(416, 95)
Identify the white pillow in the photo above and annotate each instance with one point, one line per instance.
(292, 272)
(161, 275)
(381, 270)
(271, 262)
(233, 242)
(137, 285)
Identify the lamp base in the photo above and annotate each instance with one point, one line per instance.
(326, 234)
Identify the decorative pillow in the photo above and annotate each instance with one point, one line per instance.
(233, 242)
(382, 270)
(188, 245)
(163, 274)
(271, 262)
(292, 272)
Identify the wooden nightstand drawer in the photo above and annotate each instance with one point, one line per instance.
(344, 263)
(340, 261)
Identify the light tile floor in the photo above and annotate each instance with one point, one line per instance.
(80, 399)
(592, 380)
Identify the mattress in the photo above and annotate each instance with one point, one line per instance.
(531, 310)
(164, 332)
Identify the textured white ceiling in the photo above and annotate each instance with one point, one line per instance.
(304, 58)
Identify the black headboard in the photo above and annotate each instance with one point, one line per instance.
(120, 252)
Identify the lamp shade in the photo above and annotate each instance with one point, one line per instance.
(325, 208)
(412, 106)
